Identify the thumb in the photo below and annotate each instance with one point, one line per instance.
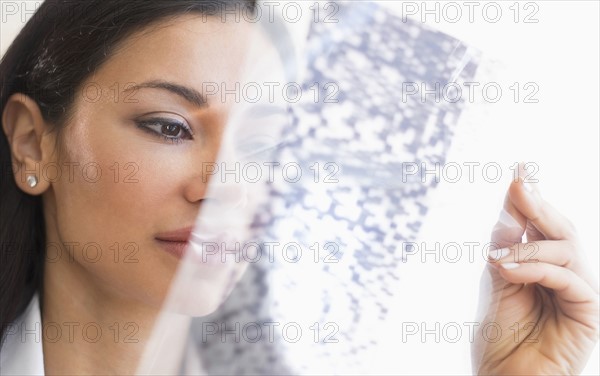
(510, 227)
(508, 230)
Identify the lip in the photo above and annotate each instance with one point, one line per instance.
(182, 235)
(175, 248)
(177, 243)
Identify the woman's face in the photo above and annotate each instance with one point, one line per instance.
(137, 150)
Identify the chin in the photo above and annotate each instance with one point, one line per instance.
(198, 291)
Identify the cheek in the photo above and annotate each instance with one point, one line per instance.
(111, 202)
(127, 182)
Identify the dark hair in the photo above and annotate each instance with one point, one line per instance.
(59, 47)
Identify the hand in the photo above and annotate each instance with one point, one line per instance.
(541, 299)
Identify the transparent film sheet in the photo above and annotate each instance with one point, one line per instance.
(293, 266)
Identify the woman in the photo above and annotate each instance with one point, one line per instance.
(111, 94)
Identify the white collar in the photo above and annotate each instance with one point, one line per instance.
(22, 352)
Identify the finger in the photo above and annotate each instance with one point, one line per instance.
(568, 286)
(528, 201)
(532, 234)
(514, 212)
(509, 229)
(565, 253)
(506, 232)
(556, 252)
(510, 226)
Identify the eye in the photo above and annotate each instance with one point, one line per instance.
(169, 129)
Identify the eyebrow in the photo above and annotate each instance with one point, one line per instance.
(189, 94)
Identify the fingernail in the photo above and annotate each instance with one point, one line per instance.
(510, 265)
(497, 254)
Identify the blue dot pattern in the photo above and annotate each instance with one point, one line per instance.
(363, 131)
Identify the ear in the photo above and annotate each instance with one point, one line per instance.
(31, 143)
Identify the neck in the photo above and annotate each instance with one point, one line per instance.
(84, 327)
(89, 329)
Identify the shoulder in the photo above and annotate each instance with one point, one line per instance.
(21, 352)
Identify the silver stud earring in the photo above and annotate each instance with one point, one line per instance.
(32, 181)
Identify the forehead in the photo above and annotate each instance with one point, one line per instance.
(194, 50)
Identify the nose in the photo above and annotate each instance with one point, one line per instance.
(220, 182)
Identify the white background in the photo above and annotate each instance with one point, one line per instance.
(560, 134)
